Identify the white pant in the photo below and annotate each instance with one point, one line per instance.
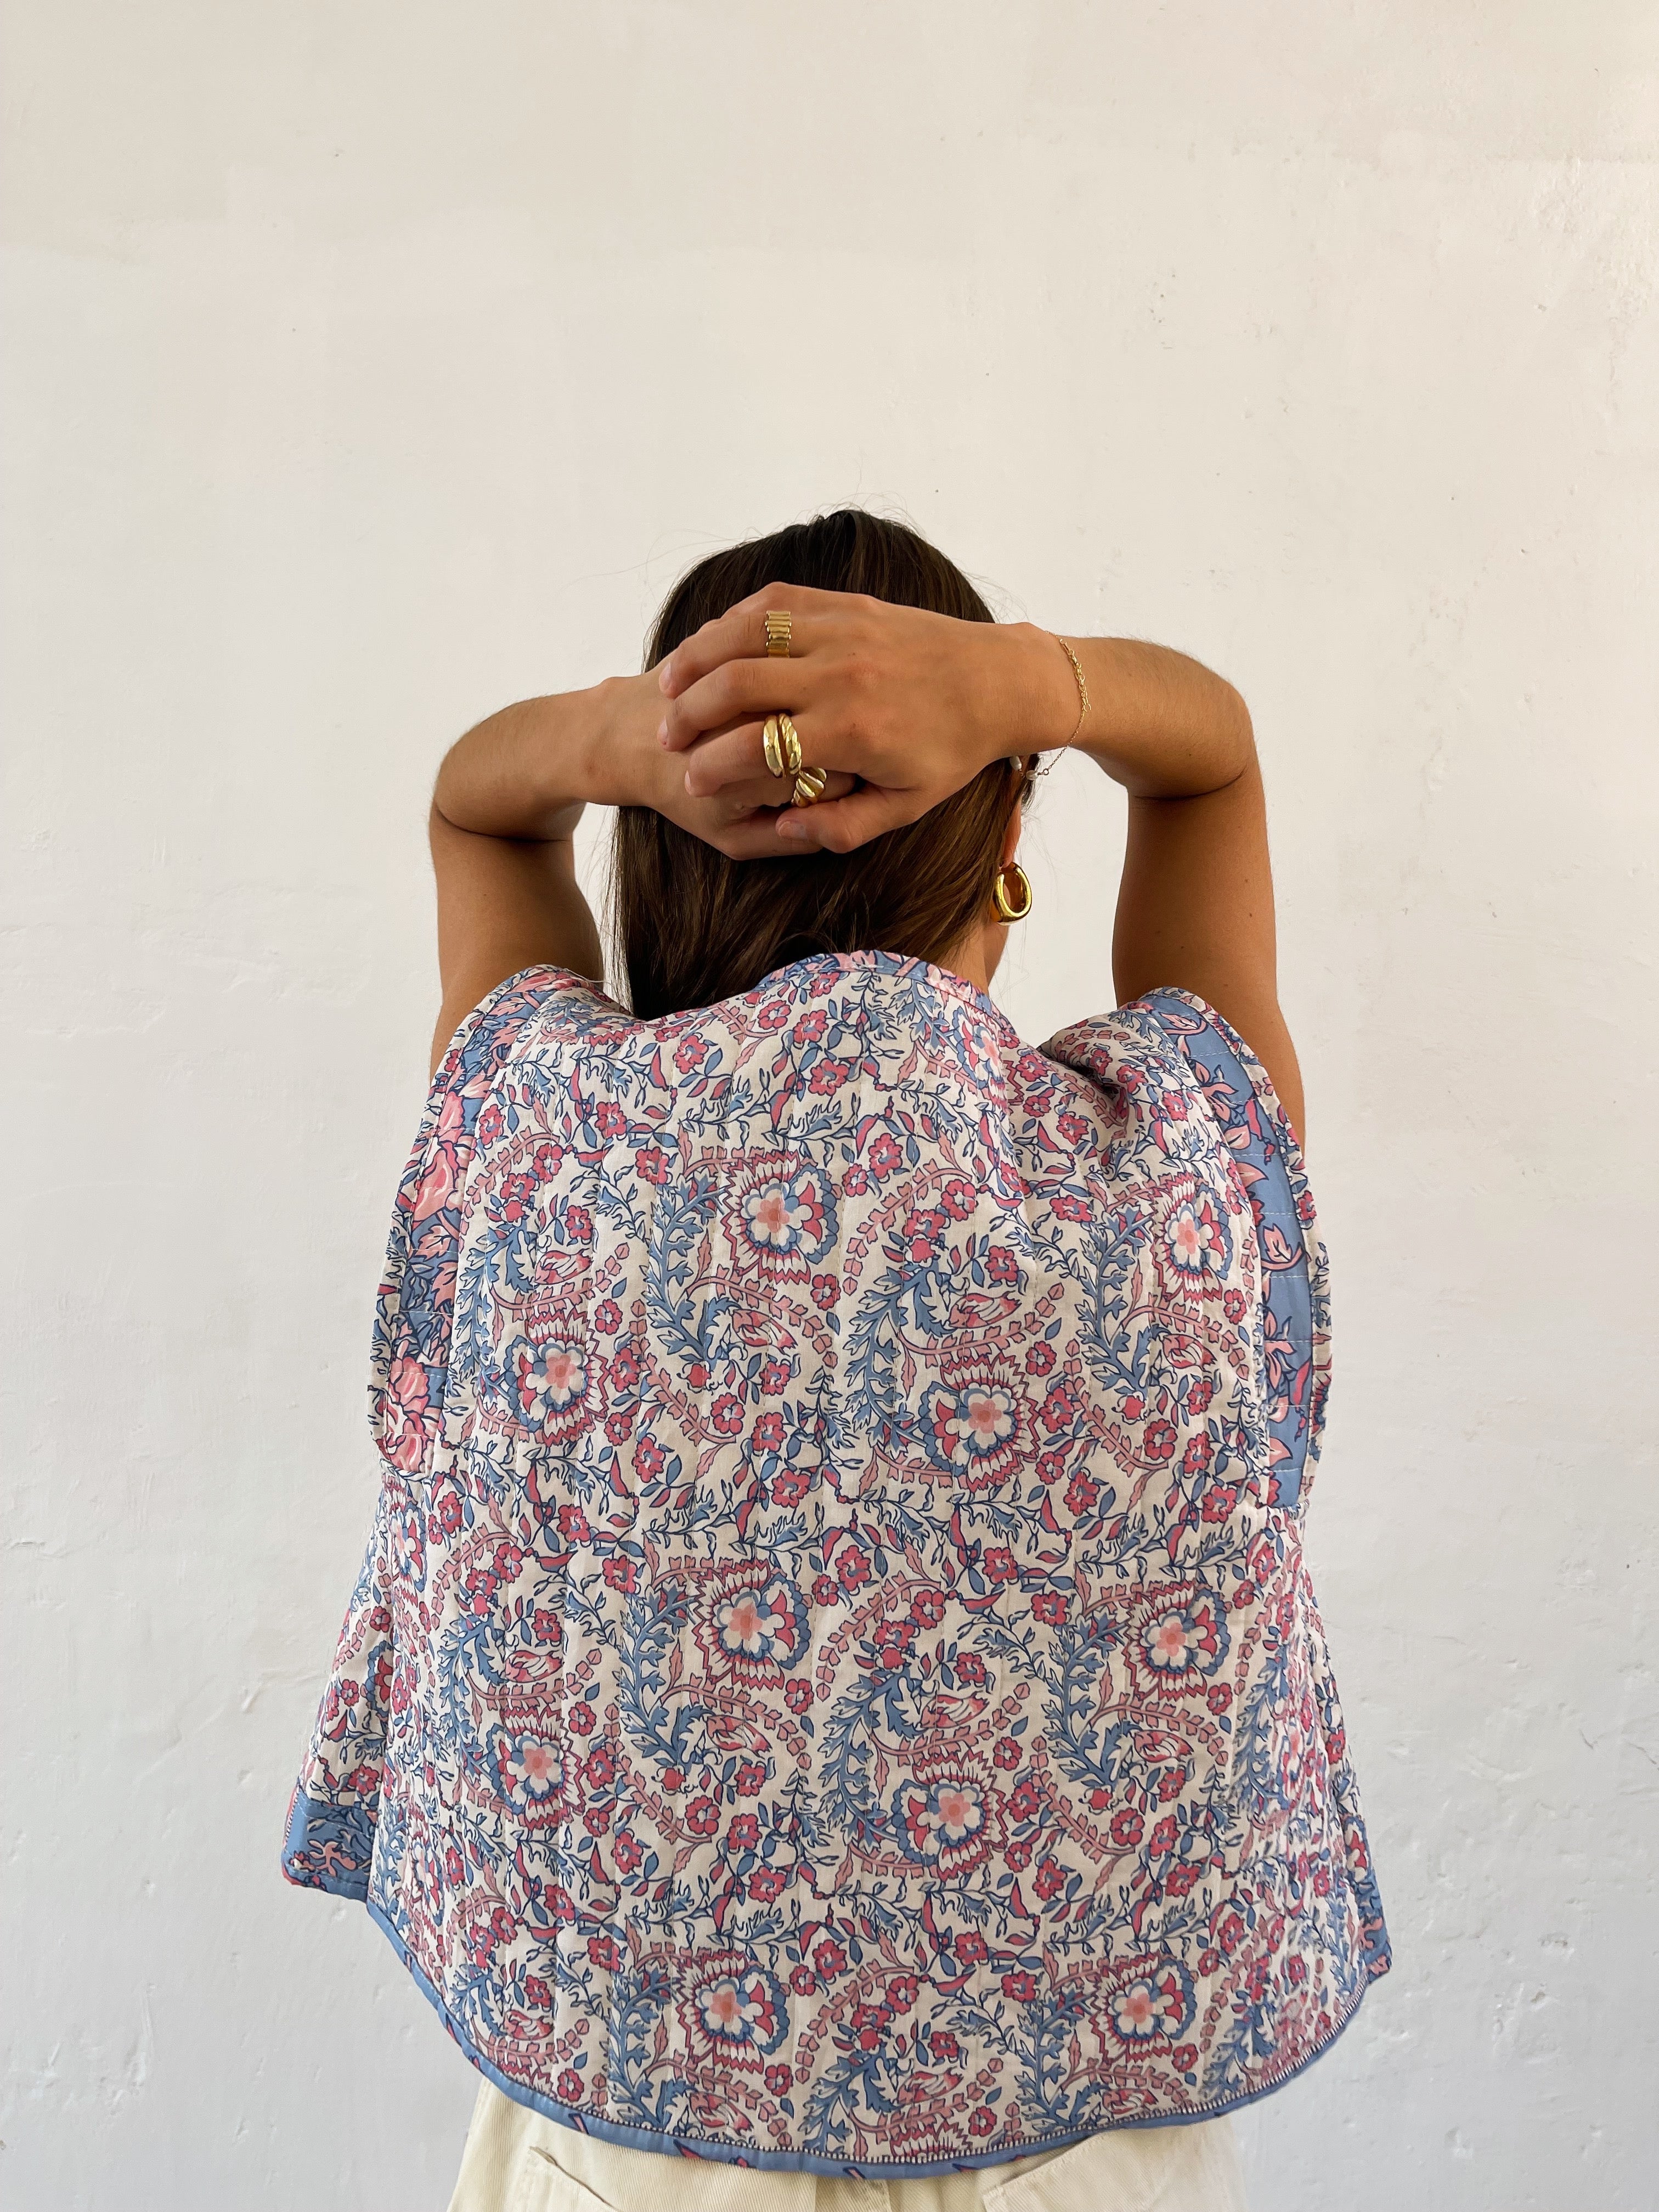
(516, 2162)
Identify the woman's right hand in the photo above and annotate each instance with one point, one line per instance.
(912, 704)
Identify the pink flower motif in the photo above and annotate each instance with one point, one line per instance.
(734, 2015)
(649, 1459)
(404, 1430)
(750, 1623)
(1081, 1494)
(883, 1155)
(438, 1184)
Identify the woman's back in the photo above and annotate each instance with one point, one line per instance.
(834, 1683)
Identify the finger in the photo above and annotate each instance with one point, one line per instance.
(740, 633)
(736, 754)
(754, 834)
(737, 691)
(843, 824)
(763, 793)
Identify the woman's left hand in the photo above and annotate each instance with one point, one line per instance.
(913, 704)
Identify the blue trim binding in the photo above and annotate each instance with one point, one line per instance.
(1258, 1138)
(329, 1847)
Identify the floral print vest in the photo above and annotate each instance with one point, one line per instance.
(834, 1683)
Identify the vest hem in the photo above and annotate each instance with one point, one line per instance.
(793, 2162)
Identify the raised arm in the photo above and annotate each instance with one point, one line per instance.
(1195, 903)
(915, 704)
(504, 813)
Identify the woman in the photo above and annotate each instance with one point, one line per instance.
(833, 1688)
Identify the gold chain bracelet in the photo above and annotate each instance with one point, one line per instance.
(1082, 688)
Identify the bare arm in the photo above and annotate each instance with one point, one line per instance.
(504, 813)
(1195, 903)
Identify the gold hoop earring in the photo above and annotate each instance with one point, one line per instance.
(1007, 910)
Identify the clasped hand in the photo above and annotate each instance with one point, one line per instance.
(898, 706)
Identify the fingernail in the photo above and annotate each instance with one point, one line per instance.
(663, 675)
(662, 733)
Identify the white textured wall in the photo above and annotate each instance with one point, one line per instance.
(373, 365)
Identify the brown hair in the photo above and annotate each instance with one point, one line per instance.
(694, 926)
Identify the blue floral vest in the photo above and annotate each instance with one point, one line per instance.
(834, 1683)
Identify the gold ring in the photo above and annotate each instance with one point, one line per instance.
(809, 786)
(778, 626)
(791, 740)
(769, 748)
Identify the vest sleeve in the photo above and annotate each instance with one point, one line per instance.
(408, 1359)
(1238, 1095)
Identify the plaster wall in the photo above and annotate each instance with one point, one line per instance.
(370, 366)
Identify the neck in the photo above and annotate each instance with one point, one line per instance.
(975, 959)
